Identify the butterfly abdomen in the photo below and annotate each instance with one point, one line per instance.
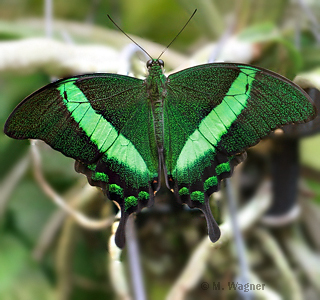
(156, 93)
(157, 110)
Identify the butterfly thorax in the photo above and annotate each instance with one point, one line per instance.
(155, 84)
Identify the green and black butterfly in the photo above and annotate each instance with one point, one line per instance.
(193, 127)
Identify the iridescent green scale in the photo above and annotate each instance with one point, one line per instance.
(193, 126)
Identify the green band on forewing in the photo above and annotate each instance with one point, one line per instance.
(101, 132)
(218, 121)
(124, 152)
(195, 147)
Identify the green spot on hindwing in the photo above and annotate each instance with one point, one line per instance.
(129, 202)
(184, 191)
(210, 182)
(100, 176)
(222, 168)
(197, 196)
(115, 189)
(143, 196)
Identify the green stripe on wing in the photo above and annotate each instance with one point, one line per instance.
(202, 142)
(100, 131)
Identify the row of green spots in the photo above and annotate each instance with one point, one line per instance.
(197, 196)
(222, 168)
(133, 201)
(116, 189)
(100, 177)
(210, 182)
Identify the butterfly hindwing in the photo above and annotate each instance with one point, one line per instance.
(105, 123)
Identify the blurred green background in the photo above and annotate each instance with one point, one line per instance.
(44, 253)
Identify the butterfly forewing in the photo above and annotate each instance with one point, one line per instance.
(104, 122)
(233, 106)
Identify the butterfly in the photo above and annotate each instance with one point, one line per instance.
(192, 126)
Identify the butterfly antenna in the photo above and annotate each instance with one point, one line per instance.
(164, 50)
(114, 23)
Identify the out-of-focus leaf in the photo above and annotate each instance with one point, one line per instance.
(262, 32)
(58, 169)
(14, 88)
(209, 17)
(281, 57)
(20, 278)
(311, 57)
(293, 59)
(31, 209)
(12, 260)
(314, 185)
(250, 12)
(280, 53)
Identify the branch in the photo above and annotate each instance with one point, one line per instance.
(60, 59)
(303, 256)
(64, 260)
(291, 285)
(81, 219)
(76, 198)
(11, 181)
(193, 272)
(116, 268)
(56, 58)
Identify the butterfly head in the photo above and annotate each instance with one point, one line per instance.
(155, 62)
